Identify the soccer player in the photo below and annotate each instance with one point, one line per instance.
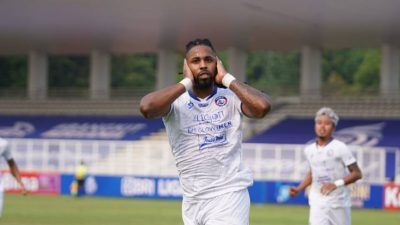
(328, 158)
(6, 154)
(203, 123)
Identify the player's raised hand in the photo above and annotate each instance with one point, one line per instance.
(186, 70)
(221, 71)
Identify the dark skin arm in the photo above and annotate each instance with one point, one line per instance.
(294, 191)
(254, 103)
(158, 103)
(354, 175)
(15, 172)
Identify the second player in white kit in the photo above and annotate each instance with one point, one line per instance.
(329, 159)
(203, 123)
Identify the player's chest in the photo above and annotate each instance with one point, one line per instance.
(205, 112)
(325, 158)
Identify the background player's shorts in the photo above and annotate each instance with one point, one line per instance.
(228, 209)
(330, 216)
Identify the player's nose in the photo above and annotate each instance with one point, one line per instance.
(203, 64)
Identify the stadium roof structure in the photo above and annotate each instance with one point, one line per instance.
(126, 26)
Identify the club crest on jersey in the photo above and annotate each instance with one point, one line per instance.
(221, 101)
(190, 105)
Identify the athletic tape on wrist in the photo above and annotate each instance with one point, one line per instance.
(187, 83)
(227, 80)
(339, 183)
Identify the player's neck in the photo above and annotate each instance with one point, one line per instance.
(203, 93)
(322, 141)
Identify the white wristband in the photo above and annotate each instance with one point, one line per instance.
(339, 182)
(187, 83)
(227, 80)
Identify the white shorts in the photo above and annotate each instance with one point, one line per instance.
(330, 216)
(228, 209)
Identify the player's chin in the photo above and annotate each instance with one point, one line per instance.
(204, 83)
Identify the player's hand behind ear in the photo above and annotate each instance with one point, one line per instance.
(186, 70)
(221, 71)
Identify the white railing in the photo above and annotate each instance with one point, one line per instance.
(153, 158)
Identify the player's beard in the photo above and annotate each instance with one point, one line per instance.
(203, 83)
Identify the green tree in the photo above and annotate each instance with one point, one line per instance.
(343, 62)
(68, 71)
(272, 71)
(130, 71)
(350, 71)
(367, 75)
(13, 71)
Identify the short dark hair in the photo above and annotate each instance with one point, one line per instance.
(197, 42)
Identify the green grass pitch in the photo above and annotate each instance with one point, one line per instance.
(60, 210)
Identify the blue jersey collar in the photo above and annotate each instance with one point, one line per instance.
(214, 91)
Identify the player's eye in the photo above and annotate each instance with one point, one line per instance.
(209, 59)
(195, 60)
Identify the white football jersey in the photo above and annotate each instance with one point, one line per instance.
(206, 141)
(329, 163)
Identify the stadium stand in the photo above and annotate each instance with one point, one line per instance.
(355, 107)
(77, 127)
(69, 107)
(360, 107)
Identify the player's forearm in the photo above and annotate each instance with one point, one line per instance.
(255, 103)
(18, 178)
(157, 103)
(15, 172)
(354, 175)
(306, 182)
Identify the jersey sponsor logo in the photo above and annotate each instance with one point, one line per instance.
(321, 179)
(221, 101)
(209, 117)
(213, 140)
(190, 105)
(209, 129)
(202, 105)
